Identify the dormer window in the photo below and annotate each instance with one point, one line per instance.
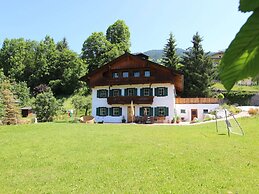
(136, 74)
(115, 75)
(125, 74)
(147, 73)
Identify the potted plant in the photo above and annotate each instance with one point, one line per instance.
(177, 119)
(123, 119)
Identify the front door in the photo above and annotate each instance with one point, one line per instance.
(194, 113)
(131, 116)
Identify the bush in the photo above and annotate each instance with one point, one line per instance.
(253, 111)
(239, 97)
(231, 108)
(46, 106)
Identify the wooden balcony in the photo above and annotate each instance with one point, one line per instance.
(127, 99)
(196, 101)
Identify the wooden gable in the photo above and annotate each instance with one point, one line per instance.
(131, 64)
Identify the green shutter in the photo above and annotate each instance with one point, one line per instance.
(150, 91)
(106, 93)
(142, 92)
(98, 93)
(135, 91)
(126, 92)
(119, 92)
(110, 111)
(110, 92)
(98, 111)
(106, 112)
(166, 111)
(166, 91)
(156, 91)
(141, 111)
(151, 111)
(156, 111)
(120, 110)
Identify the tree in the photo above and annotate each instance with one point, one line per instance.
(46, 106)
(170, 58)
(98, 51)
(241, 58)
(197, 70)
(10, 114)
(118, 34)
(63, 44)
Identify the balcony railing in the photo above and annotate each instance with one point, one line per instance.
(127, 99)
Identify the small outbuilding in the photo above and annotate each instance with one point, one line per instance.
(26, 111)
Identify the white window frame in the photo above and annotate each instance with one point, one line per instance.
(161, 91)
(115, 111)
(146, 92)
(103, 111)
(116, 92)
(131, 91)
(103, 94)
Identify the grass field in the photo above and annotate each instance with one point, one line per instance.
(238, 88)
(78, 158)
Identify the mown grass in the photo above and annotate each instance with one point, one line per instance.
(79, 158)
(238, 88)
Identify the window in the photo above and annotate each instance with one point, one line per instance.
(131, 92)
(146, 111)
(147, 73)
(161, 91)
(183, 111)
(115, 75)
(102, 111)
(116, 92)
(205, 111)
(161, 111)
(136, 74)
(102, 93)
(115, 111)
(146, 92)
(125, 74)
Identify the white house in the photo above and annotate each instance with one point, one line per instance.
(135, 89)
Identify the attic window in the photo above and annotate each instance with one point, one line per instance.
(147, 73)
(115, 75)
(125, 74)
(136, 74)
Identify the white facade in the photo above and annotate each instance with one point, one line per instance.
(184, 110)
(163, 101)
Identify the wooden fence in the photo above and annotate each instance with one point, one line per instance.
(196, 101)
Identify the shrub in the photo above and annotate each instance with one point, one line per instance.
(46, 106)
(253, 111)
(231, 108)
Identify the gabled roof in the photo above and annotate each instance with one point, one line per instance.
(130, 61)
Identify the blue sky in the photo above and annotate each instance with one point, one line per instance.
(149, 21)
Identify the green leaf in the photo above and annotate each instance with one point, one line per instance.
(241, 59)
(248, 5)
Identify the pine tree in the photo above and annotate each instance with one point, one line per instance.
(170, 58)
(197, 70)
(10, 107)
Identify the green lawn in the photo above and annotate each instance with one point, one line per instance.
(238, 88)
(79, 158)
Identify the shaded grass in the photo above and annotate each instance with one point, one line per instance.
(78, 158)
